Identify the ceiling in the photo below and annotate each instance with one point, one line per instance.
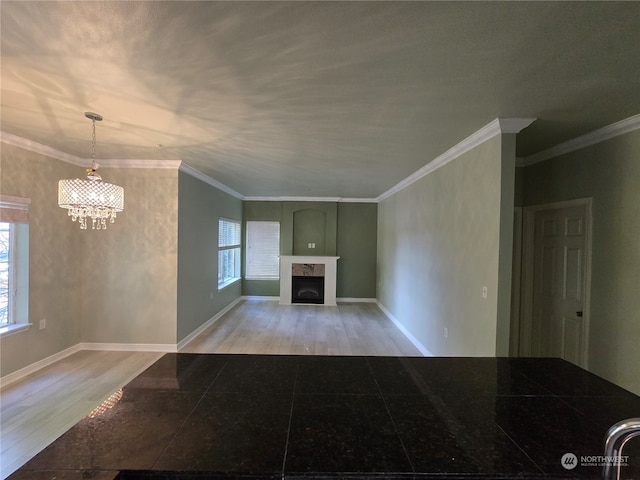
(314, 99)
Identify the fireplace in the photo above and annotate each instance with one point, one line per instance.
(318, 282)
(305, 289)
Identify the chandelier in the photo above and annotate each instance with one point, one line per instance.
(92, 197)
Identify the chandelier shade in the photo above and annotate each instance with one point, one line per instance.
(95, 199)
(91, 198)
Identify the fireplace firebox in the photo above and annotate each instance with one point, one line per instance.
(307, 289)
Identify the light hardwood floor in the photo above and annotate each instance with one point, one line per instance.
(39, 408)
(266, 327)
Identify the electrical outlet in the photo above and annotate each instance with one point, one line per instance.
(485, 292)
(43, 324)
(446, 332)
(211, 295)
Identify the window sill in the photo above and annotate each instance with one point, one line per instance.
(14, 328)
(255, 277)
(222, 286)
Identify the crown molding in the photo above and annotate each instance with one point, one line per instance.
(513, 125)
(311, 199)
(126, 163)
(36, 147)
(292, 199)
(358, 200)
(605, 133)
(111, 162)
(41, 149)
(496, 127)
(189, 170)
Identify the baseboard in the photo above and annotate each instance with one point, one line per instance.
(113, 347)
(186, 340)
(421, 348)
(260, 297)
(34, 367)
(129, 347)
(355, 300)
(338, 300)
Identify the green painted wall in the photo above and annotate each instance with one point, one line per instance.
(357, 249)
(439, 243)
(349, 231)
(519, 187)
(287, 227)
(55, 251)
(262, 211)
(199, 207)
(609, 172)
(309, 228)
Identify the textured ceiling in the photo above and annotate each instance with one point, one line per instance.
(330, 99)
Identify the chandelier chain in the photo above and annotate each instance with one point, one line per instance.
(93, 144)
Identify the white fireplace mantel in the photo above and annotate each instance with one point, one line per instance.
(330, 274)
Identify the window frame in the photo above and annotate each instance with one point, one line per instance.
(11, 276)
(234, 248)
(248, 245)
(14, 211)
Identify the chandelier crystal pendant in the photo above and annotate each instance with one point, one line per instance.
(92, 197)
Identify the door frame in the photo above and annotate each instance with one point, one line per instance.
(516, 285)
(526, 306)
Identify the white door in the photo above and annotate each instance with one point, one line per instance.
(558, 324)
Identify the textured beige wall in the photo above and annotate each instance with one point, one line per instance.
(113, 286)
(55, 258)
(438, 244)
(129, 271)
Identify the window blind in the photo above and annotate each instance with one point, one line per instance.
(228, 233)
(263, 250)
(228, 252)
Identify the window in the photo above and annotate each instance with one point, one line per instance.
(7, 263)
(228, 252)
(263, 250)
(14, 263)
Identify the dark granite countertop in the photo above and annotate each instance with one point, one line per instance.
(196, 416)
